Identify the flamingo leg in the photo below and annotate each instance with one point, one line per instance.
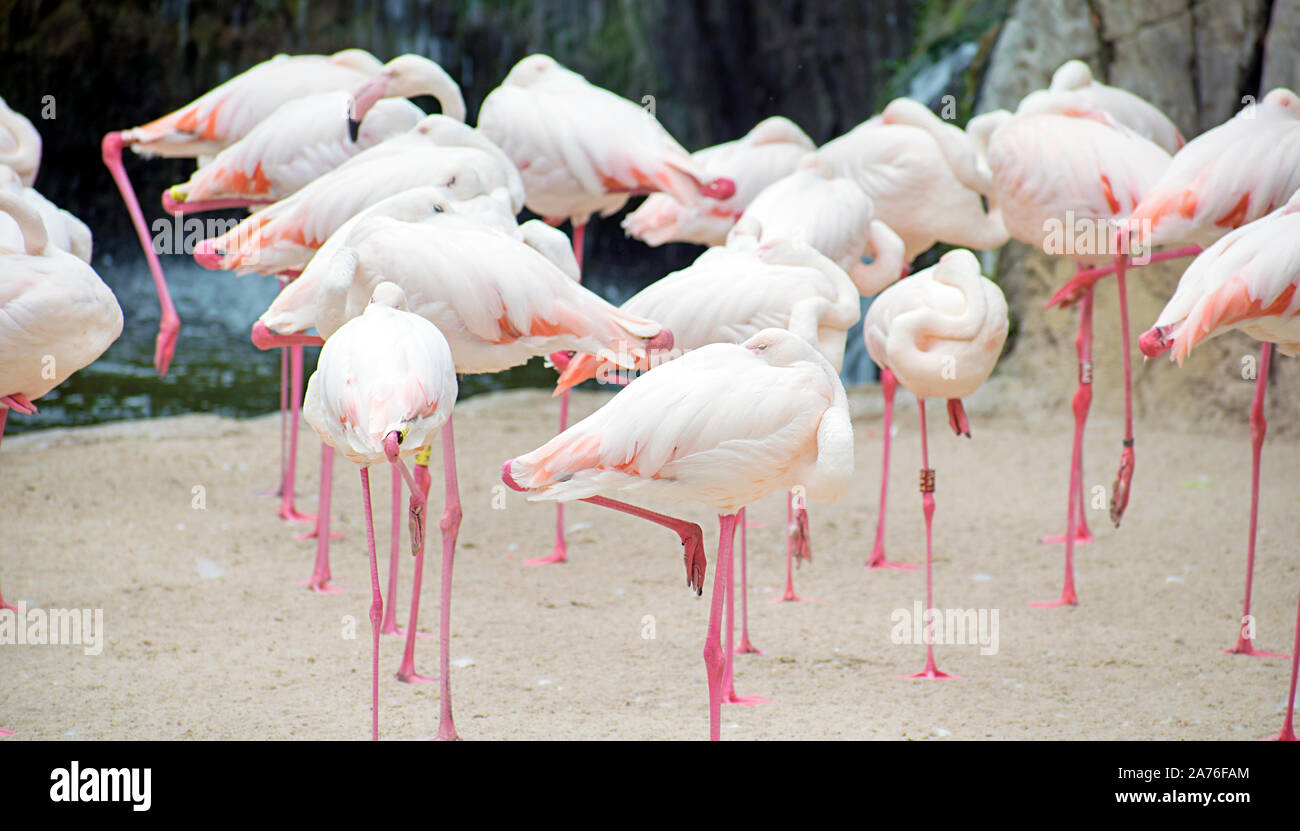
(450, 527)
(560, 553)
(284, 422)
(1288, 725)
(931, 671)
(320, 574)
(169, 324)
(4, 415)
(376, 606)
(714, 662)
(287, 510)
(729, 652)
(746, 647)
(419, 502)
(1258, 427)
(888, 386)
(1127, 461)
(389, 626)
(1082, 401)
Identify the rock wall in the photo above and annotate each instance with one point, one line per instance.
(1197, 61)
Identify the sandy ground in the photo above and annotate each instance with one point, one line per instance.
(103, 518)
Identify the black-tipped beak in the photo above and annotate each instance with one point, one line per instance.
(354, 129)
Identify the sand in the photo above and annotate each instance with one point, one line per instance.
(104, 518)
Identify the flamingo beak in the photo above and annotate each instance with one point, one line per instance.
(362, 100)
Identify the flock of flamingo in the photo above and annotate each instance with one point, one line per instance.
(395, 237)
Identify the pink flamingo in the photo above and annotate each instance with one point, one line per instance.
(571, 172)
(1216, 183)
(1048, 173)
(497, 309)
(763, 155)
(940, 332)
(729, 294)
(384, 386)
(909, 164)
(56, 315)
(722, 426)
(1248, 280)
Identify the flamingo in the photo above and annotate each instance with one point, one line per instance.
(227, 113)
(909, 164)
(766, 153)
(722, 426)
(1214, 184)
(729, 294)
(63, 230)
(56, 315)
(1247, 280)
(20, 144)
(581, 149)
(1044, 173)
(385, 384)
(498, 299)
(293, 312)
(940, 333)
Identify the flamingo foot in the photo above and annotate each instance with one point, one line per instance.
(164, 349)
(791, 597)
(799, 537)
(397, 630)
(1245, 646)
(4, 733)
(1123, 479)
(957, 419)
(1068, 598)
(877, 560)
(1287, 735)
(1082, 536)
(289, 513)
(747, 648)
(311, 535)
(730, 697)
(931, 673)
(320, 585)
(410, 676)
(557, 556)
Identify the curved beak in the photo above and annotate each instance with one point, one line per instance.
(362, 100)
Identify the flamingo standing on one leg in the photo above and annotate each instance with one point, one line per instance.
(384, 385)
(581, 149)
(940, 332)
(56, 314)
(763, 155)
(1223, 179)
(496, 295)
(723, 426)
(1045, 172)
(1248, 280)
(729, 294)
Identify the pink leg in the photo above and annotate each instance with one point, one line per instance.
(1127, 460)
(278, 491)
(4, 415)
(1288, 725)
(1082, 401)
(376, 606)
(714, 662)
(745, 648)
(1258, 427)
(169, 324)
(450, 527)
(419, 504)
(931, 671)
(287, 509)
(320, 574)
(888, 386)
(389, 626)
(728, 672)
(560, 553)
